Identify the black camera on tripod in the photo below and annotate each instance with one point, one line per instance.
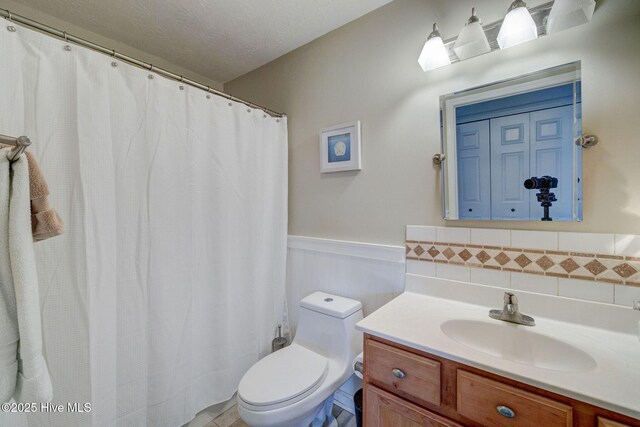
(543, 183)
(545, 197)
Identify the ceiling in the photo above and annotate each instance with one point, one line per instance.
(218, 39)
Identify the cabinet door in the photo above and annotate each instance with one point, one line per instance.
(382, 409)
(474, 170)
(510, 167)
(552, 150)
(604, 422)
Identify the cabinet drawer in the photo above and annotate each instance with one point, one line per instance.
(413, 377)
(383, 409)
(479, 399)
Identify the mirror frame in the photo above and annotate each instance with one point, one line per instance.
(549, 77)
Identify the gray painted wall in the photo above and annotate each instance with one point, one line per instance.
(367, 70)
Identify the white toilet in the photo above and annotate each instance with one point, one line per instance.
(294, 386)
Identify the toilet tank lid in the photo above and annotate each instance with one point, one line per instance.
(331, 305)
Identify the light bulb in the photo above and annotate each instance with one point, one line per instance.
(518, 26)
(472, 41)
(434, 54)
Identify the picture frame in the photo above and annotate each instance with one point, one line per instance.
(340, 148)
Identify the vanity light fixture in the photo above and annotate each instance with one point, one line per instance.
(472, 41)
(518, 26)
(569, 13)
(434, 54)
(521, 24)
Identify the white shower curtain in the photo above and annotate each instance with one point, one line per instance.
(169, 280)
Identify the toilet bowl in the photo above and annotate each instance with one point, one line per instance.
(294, 386)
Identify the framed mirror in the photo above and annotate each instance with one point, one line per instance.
(511, 149)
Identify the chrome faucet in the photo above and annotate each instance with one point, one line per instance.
(510, 312)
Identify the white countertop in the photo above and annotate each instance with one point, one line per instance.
(414, 319)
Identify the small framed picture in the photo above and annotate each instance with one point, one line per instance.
(340, 148)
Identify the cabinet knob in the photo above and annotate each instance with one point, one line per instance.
(398, 373)
(505, 411)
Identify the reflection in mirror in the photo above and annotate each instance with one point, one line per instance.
(510, 149)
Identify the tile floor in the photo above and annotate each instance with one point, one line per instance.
(230, 418)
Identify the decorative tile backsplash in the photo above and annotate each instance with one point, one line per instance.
(616, 269)
(592, 266)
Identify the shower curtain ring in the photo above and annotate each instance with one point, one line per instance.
(66, 40)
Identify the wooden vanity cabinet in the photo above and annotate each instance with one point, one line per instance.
(405, 387)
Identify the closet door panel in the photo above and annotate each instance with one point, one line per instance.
(510, 167)
(474, 175)
(552, 154)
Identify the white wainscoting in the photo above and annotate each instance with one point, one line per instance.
(370, 273)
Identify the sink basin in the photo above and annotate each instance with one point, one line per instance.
(519, 344)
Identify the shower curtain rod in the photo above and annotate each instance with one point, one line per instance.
(12, 17)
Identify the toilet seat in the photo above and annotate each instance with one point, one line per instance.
(282, 378)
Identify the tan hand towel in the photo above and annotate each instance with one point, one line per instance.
(45, 221)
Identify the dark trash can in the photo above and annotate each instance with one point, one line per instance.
(357, 403)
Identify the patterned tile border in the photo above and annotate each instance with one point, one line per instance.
(619, 270)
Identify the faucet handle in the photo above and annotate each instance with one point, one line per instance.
(510, 298)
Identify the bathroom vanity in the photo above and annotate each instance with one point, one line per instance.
(434, 360)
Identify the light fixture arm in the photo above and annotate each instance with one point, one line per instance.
(434, 33)
(474, 18)
(516, 4)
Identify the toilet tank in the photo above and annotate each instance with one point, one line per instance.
(326, 324)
